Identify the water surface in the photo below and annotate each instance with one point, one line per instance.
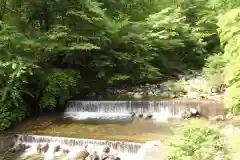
(125, 130)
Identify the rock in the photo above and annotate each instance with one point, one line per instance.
(165, 94)
(152, 150)
(130, 93)
(109, 157)
(44, 148)
(113, 157)
(140, 115)
(20, 147)
(93, 156)
(217, 118)
(137, 95)
(191, 112)
(195, 112)
(132, 114)
(56, 148)
(79, 153)
(106, 149)
(186, 113)
(39, 148)
(150, 93)
(215, 89)
(229, 116)
(65, 151)
(148, 116)
(82, 155)
(104, 156)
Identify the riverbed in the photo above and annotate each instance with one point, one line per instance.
(127, 130)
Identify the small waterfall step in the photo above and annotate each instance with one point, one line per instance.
(119, 146)
(122, 109)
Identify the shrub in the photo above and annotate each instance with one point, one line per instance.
(197, 140)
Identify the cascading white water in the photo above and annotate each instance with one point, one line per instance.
(120, 109)
(127, 148)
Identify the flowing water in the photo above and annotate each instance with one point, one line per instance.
(120, 146)
(118, 130)
(161, 110)
(109, 122)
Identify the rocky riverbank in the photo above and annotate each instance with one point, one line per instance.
(196, 88)
(153, 149)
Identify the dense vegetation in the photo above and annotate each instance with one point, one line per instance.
(53, 50)
(200, 140)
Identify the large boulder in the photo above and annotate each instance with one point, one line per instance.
(79, 153)
(190, 113)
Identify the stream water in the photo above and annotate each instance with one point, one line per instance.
(109, 120)
(124, 130)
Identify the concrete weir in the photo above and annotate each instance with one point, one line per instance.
(81, 110)
(119, 146)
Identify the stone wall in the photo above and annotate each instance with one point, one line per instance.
(6, 142)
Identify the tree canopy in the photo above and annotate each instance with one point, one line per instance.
(52, 50)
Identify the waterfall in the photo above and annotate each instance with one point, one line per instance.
(120, 146)
(120, 109)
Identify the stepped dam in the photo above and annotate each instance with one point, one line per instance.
(106, 123)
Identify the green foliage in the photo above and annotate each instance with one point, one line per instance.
(14, 78)
(214, 68)
(199, 141)
(60, 86)
(229, 34)
(97, 43)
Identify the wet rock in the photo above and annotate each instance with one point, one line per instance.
(215, 89)
(20, 147)
(78, 153)
(45, 147)
(140, 115)
(82, 155)
(130, 93)
(186, 114)
(106, 149)
(191, 113)
(109, 157)
(65, 151)
(93, 156)
(150, 93)
(195, 112)
(39, 148)
(173, 95)
(56, 148)
(113, 157)
(148, 116)
(132, 114)
(104, 156)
